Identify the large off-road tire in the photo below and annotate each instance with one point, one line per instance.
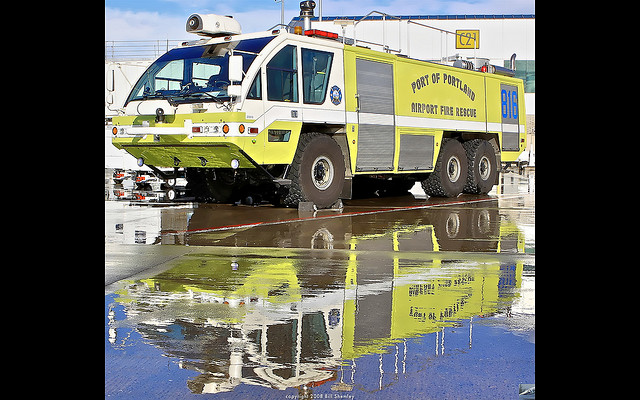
(450, 174)
(317, 171)
(483, 166)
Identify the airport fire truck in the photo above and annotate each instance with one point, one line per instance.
(304, 116)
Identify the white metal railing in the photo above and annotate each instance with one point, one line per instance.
(115, 50)
(386, 47)
(384, 41)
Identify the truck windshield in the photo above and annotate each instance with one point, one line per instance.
(194, 74)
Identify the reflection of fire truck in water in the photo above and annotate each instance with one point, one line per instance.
(303, 116)
(289, 318)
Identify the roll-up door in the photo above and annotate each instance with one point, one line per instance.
(376, 116)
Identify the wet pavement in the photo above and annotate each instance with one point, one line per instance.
(391, 297)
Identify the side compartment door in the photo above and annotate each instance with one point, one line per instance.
(376, 116)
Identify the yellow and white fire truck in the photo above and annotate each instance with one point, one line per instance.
(303, 116)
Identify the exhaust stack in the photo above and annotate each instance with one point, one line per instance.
(512, 61)
(306, 12)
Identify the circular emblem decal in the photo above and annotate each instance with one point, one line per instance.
(336, 95)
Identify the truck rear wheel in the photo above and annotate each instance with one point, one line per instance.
(317, 171)
(482, 166)
(450, 174)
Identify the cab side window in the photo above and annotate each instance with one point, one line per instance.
(255, 92)
(282, 76)
(316, 66)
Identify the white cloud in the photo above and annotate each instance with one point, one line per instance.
(258, 20)
(130, 25)
(143, 25)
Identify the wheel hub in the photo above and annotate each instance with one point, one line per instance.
(453, 169)
(322, 173)
(485, 168)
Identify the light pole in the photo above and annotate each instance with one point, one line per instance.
(281, 10)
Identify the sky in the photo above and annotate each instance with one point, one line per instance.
(166, 19)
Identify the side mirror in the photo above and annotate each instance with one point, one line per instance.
(235, 91)
(235, 69)
(110, 80)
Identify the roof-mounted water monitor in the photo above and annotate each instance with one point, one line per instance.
(213, 25)
(306, 12)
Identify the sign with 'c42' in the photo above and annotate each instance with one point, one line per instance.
(467, 39)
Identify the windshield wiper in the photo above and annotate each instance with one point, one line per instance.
(156, 95)
(186, 95)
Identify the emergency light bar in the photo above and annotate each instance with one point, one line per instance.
(319, 33)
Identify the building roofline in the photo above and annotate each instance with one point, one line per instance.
(428, 17)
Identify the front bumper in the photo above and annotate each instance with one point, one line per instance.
(180, 151)
(187, 142)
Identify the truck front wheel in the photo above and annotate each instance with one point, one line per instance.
(450, 174)
(317, 171)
